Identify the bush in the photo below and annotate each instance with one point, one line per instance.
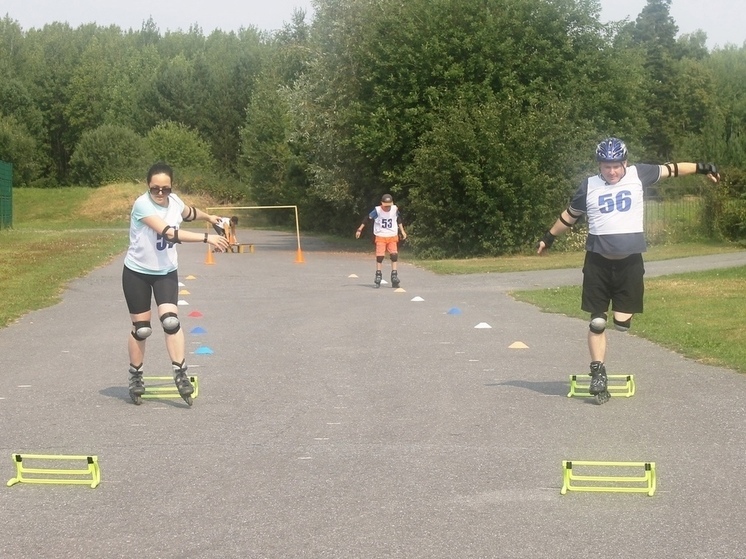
(223, 189)
(725, 206)
(181, 147)
(732, 220)
(107, 154)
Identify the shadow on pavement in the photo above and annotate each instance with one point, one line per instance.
(553, 388)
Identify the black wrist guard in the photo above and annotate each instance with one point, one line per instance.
(548, 239)
(706, 169)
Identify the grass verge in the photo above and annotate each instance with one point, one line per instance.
(691, 314)
(58, 235)
(37, 266)
(559, 260)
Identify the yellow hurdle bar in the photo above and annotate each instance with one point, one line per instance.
(167, 390)
(93, 471)
(648, 478)
(581, 390)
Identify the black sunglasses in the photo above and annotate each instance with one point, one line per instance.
(160, 190)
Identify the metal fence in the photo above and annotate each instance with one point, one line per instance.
(674, 220)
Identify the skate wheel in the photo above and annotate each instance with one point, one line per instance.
(137, 400)
(603, 397)
(188, 400)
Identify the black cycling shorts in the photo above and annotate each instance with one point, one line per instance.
(619, 282)
(139, 288)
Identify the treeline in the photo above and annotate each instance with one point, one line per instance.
(479, 116)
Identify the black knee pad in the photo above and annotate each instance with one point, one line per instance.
(170, 323)
(379, 259)
(394, 256)
(142, 330)
(598, 323)
(622, 326)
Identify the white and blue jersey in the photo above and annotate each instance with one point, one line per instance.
(615, 212)
(149, 252)
(385, 224)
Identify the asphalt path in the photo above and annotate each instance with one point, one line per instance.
(339, 420)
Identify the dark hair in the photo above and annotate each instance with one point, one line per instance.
(234, 220)
(159, 168)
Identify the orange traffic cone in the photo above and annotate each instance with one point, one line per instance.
(210, 259)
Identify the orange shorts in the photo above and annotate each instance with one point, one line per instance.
(384, 244)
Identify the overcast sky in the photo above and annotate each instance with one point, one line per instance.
(724, 21)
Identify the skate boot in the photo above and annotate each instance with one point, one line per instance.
(379, 277)
(598, 386)
(395, 279)
(137, 385)
(183, 384)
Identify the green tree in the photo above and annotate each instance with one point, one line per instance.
(226, 74)
(654, 33)
(11, 40)
(470, 192)
(387, 76)
(104, 86)
(18, 147)
(727, 127)
(171, 95)
(51, 55)
(271, 157)
(266, 155)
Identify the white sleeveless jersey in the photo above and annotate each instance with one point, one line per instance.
(615, 209)
(385, 224)
(616, 212)
(149, 252)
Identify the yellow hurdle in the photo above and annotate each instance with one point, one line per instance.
(648, 478)
(92, 471)
(167, 388)
(580, 389)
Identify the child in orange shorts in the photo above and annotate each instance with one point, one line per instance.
(386, 229)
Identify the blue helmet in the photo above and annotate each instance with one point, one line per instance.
(611, 150)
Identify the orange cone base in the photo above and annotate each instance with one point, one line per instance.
(210, 258)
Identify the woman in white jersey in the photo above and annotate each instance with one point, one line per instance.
(150, 270)
(613, 270)
(386, 228)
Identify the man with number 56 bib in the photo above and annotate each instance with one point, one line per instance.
(613, 269)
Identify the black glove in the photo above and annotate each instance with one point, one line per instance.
(706, 169)
(548, 239)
